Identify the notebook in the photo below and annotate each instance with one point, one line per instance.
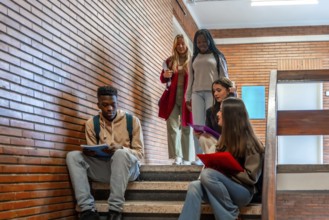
(206, 129)
(223, 162)
(98, 149)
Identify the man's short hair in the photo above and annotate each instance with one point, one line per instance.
(107, 90)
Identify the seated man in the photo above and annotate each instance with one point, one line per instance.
(118, 169)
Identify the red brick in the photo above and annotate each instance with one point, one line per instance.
(44, 128)
(10, 131)
(34, 118)
(21, 124)
(33, 135)
(40, 111)
(4, 140)
(22, 142)
(54, 138)
(44, 144)
(4, 121)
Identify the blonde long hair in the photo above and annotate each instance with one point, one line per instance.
(175, 54)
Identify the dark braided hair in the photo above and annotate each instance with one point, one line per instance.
(211, 45)
(107, 90)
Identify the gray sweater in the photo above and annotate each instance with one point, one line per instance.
(203, 72)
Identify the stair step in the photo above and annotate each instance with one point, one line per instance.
(170, 168)
(169, 172)
(170, 207)
(146, 190)
(159, 194)
(147, 185)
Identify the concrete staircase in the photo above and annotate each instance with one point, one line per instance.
(159, 194)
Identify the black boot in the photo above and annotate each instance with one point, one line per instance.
(89, 215)
(113, 215)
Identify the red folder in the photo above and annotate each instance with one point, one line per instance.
(223, 162)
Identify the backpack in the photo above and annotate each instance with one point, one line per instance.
(129, 125)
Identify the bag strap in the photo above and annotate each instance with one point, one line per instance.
(97, 128)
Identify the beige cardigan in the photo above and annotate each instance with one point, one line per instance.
(115, 133)
(252, 169)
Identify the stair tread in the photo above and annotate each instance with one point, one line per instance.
(148, 185)
(169, 207)
(170, 168)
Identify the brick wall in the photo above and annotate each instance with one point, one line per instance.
(270, 32)
(53, 56)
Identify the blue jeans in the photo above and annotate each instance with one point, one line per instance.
(201, 101)
(118, 170)
(224, 195)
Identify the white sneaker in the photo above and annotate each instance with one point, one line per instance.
(197, 162)
(178, 161)
(186, 162)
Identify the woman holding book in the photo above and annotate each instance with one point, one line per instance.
(172, 105)
(228, 191)
(221, 89)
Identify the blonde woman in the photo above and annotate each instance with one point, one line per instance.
(172, 105)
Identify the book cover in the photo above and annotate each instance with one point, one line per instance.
(98, 149)
(206, 129)
(223, 162)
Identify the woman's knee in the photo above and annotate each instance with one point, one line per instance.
(209, 176)
(206, 174)
(194, 187)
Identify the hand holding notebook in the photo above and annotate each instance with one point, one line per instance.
(223, 162)
(206, 129)
(101, 150)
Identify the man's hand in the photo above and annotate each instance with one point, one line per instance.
(114, 148)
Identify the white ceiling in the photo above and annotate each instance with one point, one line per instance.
(226, 14)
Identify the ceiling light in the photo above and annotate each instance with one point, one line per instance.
(282, 2)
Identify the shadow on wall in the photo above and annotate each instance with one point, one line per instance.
(142, 98)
